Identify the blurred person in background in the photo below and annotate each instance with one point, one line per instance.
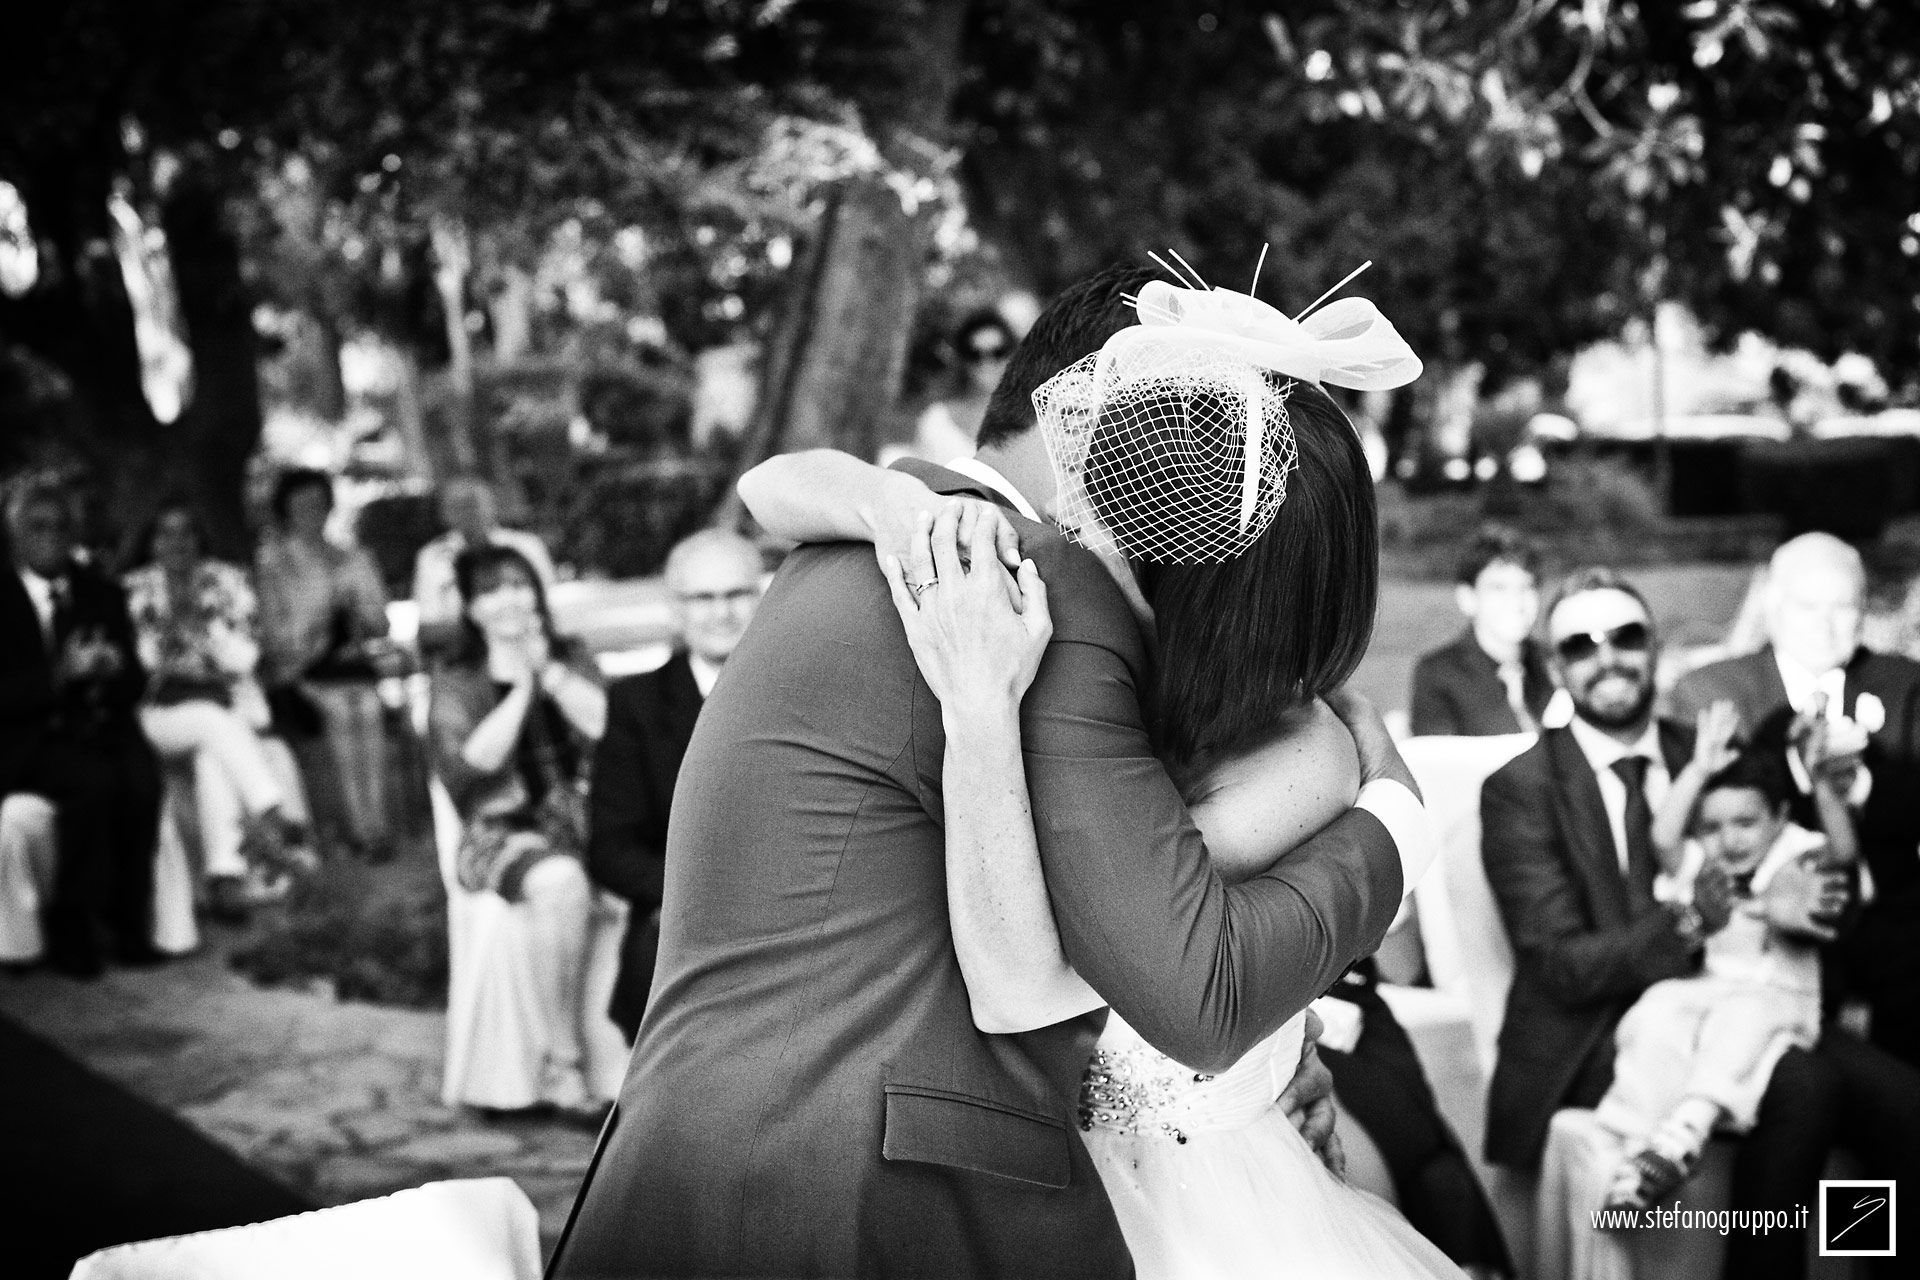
(70, 686)
(946, 430)
(323, 615)
(195, 620)
(714, 576)
(513, 716)
(471, 515)
(1492, 679)
(1815, 666)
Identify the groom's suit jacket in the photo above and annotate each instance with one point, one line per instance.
(808, 1095)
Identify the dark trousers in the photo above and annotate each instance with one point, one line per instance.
(1380, 1082)
(105, 788)
(1845, 1094)
(1880, 959)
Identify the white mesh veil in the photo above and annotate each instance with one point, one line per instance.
(1173, 441)
(1152, 449)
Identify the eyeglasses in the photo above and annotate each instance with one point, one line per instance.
(1630, 637)
(719, 597)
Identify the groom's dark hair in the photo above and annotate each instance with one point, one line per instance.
(1073, 325)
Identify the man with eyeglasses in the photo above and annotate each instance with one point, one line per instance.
(715, 577)
(1567, 840)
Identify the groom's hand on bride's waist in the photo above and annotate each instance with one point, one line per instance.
(1307, 1102)
(1379, 756)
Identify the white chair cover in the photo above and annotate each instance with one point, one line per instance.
(477, 1229)
(1468, 955)
(27, 853)
(175, 931)
(496, 1035)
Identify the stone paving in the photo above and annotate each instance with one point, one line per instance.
(340, 1101)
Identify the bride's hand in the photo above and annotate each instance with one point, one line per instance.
(977, 634)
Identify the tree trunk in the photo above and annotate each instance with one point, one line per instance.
(832, 373)
(452, 260)
(208, 447)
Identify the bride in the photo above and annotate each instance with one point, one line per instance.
(1235, 507)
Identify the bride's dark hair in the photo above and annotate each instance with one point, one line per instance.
(1245, 642)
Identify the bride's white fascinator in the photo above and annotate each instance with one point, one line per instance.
(1173, 442)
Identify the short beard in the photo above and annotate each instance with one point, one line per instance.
(1618, 719)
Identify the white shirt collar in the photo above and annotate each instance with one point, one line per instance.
(1801, 685)
(704, 672)
(974, 469)
(1603, 750)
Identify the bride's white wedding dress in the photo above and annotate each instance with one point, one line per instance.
(1209, 1178)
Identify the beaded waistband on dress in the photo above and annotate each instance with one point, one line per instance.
(1128, 1090)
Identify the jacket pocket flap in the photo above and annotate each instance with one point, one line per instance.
(937, 1127)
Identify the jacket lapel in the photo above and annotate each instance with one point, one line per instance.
(680, 699)
(1768, 690)
(1588, 830)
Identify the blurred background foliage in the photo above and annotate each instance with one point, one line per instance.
(517, 236)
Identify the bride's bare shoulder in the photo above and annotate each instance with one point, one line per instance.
(1257, 806)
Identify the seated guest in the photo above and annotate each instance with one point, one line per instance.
(715, 580)
(70, 684)
(323, 616)
(512, 718)
(471, 515)
(194, 619)
(1813, 604)
(1379, 1080)
(1493, 679)
(1694, 1054)
(1567, 838)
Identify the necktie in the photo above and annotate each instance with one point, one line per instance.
(1514, 676)
(1641, 863)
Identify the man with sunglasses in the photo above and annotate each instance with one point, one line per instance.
(1567, 843)
(714, 576)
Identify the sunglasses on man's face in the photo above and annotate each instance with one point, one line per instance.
(1631, 637)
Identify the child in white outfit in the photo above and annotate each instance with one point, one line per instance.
(1695, 1054)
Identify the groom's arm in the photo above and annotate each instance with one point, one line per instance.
(1202, 969)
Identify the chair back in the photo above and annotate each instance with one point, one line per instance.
(1466, 945)
(473, 1229)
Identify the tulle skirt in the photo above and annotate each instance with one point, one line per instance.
(1249, 1202)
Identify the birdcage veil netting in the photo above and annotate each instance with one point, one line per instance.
(1178, 453)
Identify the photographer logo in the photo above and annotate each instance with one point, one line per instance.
(1856, 1218)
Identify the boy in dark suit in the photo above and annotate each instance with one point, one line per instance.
(1493, 678)
(70, 683)
(714, 576)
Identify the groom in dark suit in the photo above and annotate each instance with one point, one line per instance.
(808, 1095)
(714, 576)
(1815, 600)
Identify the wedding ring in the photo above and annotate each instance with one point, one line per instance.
(918, 587)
